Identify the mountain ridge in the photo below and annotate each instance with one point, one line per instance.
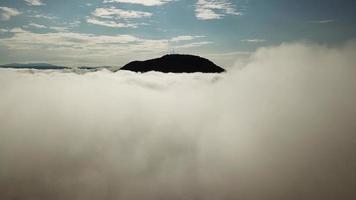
(42, 66)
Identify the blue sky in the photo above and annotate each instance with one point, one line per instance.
(113, 32)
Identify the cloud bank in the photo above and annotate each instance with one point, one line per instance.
(280, 126)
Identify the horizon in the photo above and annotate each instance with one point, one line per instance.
(68, 66)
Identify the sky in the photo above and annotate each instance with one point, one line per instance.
(114, 32)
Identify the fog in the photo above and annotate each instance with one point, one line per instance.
(280, 126)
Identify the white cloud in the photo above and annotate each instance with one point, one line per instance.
(44, 16)
(16, 30)
(254, 40)
(323, 21)
(229, 59)
(185, 38)
(37, 25)
(117, 13)
(37, 14)
(34, 2)
(214, 9)
(142, 2)
(110, 23)
(68, 40)
(193, 45)
(6, 13)
(116, 18)
(59, 28)
(206, 14)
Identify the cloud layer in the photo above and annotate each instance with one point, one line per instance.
(280, 126)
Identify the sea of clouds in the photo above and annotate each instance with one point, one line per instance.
(281, 126)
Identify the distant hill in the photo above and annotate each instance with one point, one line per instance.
(41, 66)
(175, 63)
(110, 68)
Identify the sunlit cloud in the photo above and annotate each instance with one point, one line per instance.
(193, 45)
(116, 18)
(34, 2)
(6, 13)
(256, 40)
(185, 38)
(110, 23)
(214, 9)
(40, 26)
(117, 13)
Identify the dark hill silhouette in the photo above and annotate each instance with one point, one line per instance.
(175, 63)
(40, 66)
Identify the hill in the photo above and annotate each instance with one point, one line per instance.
(175, 63)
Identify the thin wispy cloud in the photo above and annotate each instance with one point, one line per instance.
(39, 15)
(214, 9)
(141, 2)
(116, 18)
(323, 21)
(185, 38)
(110, 23)
(112, 12)
(6, 13)
(34, 2)
(68, 40)
(193, 45)
(59, 28)
(254, 40)
(34, 25)
(44, 16)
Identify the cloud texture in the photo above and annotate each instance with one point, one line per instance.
(281, 126)
(6, 13)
